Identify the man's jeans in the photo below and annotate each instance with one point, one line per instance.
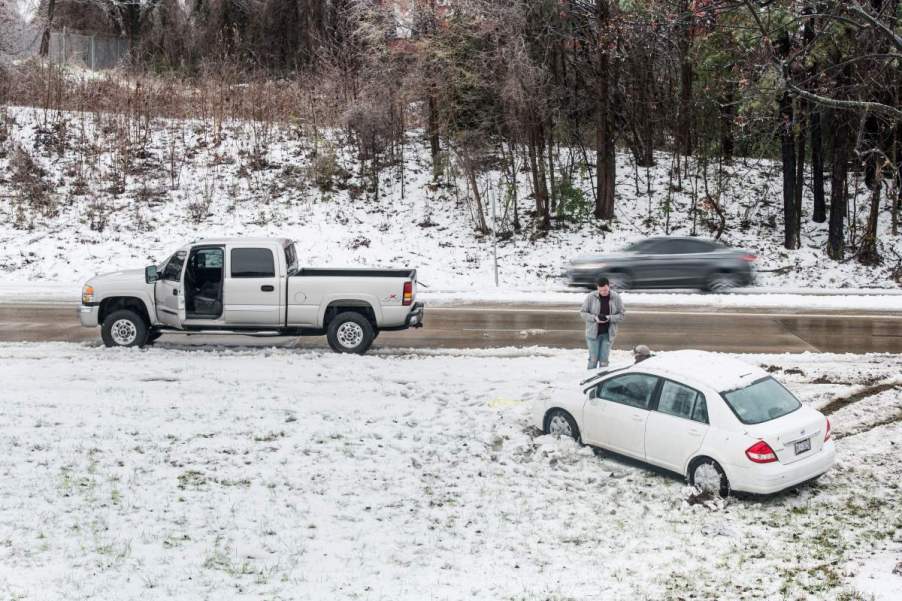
(599, 349)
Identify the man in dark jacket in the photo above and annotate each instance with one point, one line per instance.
(602, 311)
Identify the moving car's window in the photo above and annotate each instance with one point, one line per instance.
(762, 401)
(634, 390)
(690, 247)
(252, 263)
(640, 247)
(677, 399)
(173, 269)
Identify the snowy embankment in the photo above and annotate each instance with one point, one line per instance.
(119, 199)
(289, 474)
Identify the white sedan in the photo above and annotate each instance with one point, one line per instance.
(724, 424)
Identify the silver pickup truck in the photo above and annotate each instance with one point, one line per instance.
(250, 286)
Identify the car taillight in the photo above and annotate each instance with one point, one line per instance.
(749, 258)
(827, 435)
(408, 293)
(760, 452)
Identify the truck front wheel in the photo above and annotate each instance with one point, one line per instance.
(350, 332)
(123, 328)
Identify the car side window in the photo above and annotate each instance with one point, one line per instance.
(252, 263)
(677, 400)
(173, 270)
(700, 412)
(634, 390)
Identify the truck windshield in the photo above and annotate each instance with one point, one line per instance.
(761, 401)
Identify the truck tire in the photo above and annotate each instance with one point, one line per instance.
(350, 332)
(124, 328)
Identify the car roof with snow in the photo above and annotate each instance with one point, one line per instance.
(280, 241)
(720, 372)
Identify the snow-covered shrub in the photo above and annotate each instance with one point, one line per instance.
(32, 189)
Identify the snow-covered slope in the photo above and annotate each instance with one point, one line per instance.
(184, 180)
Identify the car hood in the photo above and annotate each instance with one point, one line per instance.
(128, 277)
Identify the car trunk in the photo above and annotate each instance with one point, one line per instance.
(789, 435)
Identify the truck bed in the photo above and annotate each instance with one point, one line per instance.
(359, 273)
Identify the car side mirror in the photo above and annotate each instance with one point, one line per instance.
(150, 274)
(593, 393)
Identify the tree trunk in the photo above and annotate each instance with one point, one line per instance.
(604, 139)
(434, 145)
(787, 150)
(868, 254)
(799, 187)
(684, 126)
(45, 37)
(817, 168)
(838, 191)
(727, 115)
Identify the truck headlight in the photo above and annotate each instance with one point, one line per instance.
(87, 294)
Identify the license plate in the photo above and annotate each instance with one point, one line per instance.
(803, 445)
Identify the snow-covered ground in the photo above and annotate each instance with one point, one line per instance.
(217, 473)
(115, 209)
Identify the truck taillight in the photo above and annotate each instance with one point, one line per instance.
(408, 293)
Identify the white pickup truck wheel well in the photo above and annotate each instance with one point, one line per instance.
(117, 303)
(355, 306)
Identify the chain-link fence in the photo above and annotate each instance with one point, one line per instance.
(92, 51)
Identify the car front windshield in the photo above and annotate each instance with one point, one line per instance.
(761, 401)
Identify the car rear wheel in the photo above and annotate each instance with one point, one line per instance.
(123, 328)
(723, 281)
(559, 423)
(707, 476)
(350, 332)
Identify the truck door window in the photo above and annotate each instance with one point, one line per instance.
(252, 263)
(173, 269)
(291, 259)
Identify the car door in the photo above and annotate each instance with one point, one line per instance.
(170, 303)
(676, 427)
(615, 418)
(651, 264)
(689, 262)
(253, 288)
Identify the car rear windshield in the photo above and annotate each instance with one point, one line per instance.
(762, 401)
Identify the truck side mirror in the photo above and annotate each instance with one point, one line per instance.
(150, 274)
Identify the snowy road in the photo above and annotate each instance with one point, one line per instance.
(728, 329)
(298, 474)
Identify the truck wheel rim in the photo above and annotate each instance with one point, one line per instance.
(559, 426)
(123, 332)
(350, 334)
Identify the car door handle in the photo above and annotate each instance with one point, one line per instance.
(695, 432)
(175, 292)
(637, 418)
(267, 288)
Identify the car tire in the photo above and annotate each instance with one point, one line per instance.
(707, 476)
(124, 328)
(560, 423)
(620, 280)
(722, 281)
(350, 332)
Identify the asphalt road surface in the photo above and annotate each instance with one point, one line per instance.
(488, 326)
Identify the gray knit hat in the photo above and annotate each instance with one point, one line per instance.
(642, 350)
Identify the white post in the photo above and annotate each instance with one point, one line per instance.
(494, 238)
(92, 53)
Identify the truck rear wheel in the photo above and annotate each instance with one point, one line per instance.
(350, 332)
(124, 328)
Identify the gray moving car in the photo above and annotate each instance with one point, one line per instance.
(667, 262)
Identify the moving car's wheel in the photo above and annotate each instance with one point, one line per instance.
(620, 280)
(707, 476)
(722, 281)
(560, 423)
(350, 332)
(123, 328)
